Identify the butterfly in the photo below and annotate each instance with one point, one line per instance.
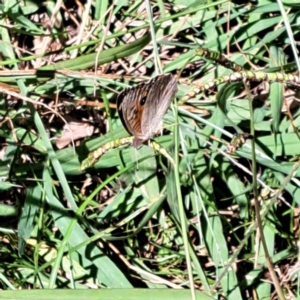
(142, 108)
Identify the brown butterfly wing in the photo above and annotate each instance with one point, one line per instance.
(142, 108)
(130, 111)
(161, 93)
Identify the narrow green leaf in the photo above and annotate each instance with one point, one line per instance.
(88, 61)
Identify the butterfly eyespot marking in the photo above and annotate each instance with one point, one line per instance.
(143, 100)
